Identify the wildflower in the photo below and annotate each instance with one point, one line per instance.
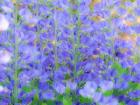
(59, 87)
(106, 85)
(89, 89)
(48, 95)
(3, 89)
(5, 57)
(29, 19)
(4, 24)
(6, 9)
(71, 85)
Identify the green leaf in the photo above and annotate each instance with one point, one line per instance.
(50, 102)
(119, 68)
(50, 82)
(27, 89)
(134, 85)
(132, 0)
(81, 84)
(118, 92)
(19, 71)
(121, 103)
(67, 76)
(34, 83)
(85, 99)
(136, 99)
(79, 73)
(60, 97)
(68, 91)
(67, 101)
(36, 100)
(72, 11)
(108, 93)
(47, 102)
(44, 104)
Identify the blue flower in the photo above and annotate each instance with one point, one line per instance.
(138, 41)
(134, 94)
(136, 29)
(72, 85)
(136, 67)
(137, 11)
(106, 85)
(49, 95)
(97, 96)
(89, 89)
(59, 87)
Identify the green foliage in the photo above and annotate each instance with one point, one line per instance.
(67, 101)
(19, 71)
(79, 73)
(72, 11)
(121, 103)
(85, 99)
(27, 89)
(108, 93)
(59, 97)
(119, 68)
(81, 84)
(34, 83)
(134, 86)
(67, 76)
(132, 0)
(48, 102)
(36, 100)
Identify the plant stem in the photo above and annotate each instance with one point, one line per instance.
(76, 41)
(55, 41)
(15, 90)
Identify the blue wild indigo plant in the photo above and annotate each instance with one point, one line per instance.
(69, 52)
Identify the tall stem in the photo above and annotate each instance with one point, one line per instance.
(15, 61)
(55, 41)
(76, 40)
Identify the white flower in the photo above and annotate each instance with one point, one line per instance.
(5, 57)
(3, 89)
(139, 103)
(4, 24)
(6, 9)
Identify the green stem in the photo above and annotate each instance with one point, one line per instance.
(77, 42)
(15, 60)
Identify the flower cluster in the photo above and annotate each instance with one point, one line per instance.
(69, 52)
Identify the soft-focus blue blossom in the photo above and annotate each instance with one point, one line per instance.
(48, 95)
(138, 41)
(106, 85)
(136, 67)
(137, 11)
(136, 28)
(97, 96)
(72, 85)
(89, 89)
(59, 87)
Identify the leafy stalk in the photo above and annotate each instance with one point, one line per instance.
(15, 60)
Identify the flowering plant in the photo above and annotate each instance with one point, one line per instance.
(69, 52)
